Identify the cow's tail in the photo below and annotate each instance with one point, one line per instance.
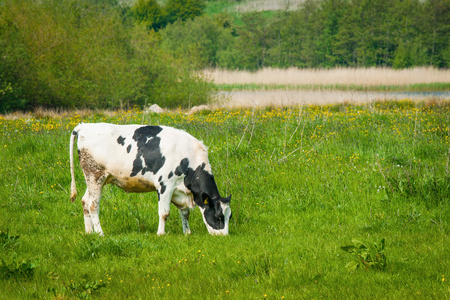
(73, 186)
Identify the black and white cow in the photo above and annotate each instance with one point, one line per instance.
(141, 159)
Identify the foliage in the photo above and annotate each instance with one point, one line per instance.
(154, 16)
(368, 257)
(304, 181)
(331, 33)
(85, 54)
(149, 14)
(17, 270)
(7, 240)
(199, 40)
(183, 9)
(84, 289)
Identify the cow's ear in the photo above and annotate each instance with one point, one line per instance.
(226, 200)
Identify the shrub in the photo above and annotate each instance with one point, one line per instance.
(84, 54)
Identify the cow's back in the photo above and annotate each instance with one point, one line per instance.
(134, 150)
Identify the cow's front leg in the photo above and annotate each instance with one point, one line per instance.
(163, 210)
(184, 214)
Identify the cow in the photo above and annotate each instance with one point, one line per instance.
(139, 158)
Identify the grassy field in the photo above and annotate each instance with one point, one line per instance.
(305, 181)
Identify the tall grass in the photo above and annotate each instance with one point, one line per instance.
(367, 77)
(305, 181)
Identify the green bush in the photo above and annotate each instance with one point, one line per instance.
(200, 41)
(149, 14)
(84, 54)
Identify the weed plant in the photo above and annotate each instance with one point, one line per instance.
(305, 181)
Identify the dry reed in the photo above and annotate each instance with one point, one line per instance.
(319, 97)
(345, 76)
(55, 113)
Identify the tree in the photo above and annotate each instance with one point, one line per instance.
(183, 10)
(436, 31)
(79, 54)
(330, 12)
(252, 41)
(149, 14)
(199, 40)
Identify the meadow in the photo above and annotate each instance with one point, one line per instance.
(336, 202)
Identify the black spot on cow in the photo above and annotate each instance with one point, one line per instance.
(129, 148)
(182, 168)
(206, 194)
(170, 175)
(149, 156)
(121, 140)
(163, 188)
(160, 178)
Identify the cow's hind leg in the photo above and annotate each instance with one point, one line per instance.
(85, 201)
(95, 179)
(184, 214)
(91, 207)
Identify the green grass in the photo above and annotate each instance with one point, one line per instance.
(419, 87)
(305, 182)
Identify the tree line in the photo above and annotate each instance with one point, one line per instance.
(320, 34)
(105, 54)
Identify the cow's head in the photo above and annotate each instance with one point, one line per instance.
(216, 211)
(216, 215)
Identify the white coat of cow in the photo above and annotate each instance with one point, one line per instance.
(141, 159)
